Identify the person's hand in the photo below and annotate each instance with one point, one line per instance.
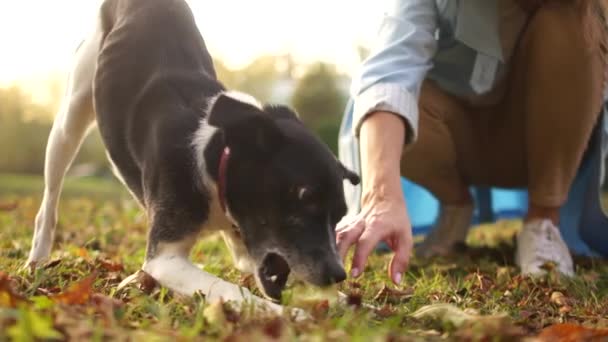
(383, 215)
(380, 219)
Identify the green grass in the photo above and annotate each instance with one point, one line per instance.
(18, 184)
(102, 232)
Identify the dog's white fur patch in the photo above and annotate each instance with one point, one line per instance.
(217, 219)
(243, 97)
(237, 95)
(201, 139)
(172, 269)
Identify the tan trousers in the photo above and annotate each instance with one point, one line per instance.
(536, 134)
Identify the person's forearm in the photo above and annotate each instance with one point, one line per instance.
(381, 145)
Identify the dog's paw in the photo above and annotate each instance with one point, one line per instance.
(31, 265)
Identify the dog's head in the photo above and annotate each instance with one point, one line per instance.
(284, 189)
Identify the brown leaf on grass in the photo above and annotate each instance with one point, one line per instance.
(274, 328)
(77, 293)
(232, 315)
(320, 309)
(8, 206)
(480, 281)
(52, 263)
(354, 284)
(82, 252)
(393, 296)
(503, 275)
(8, 296)
(450, 313)
(106, 306)
(145, 282)
(110, 266)
(69, 322)
(385, 311)
(567, 332)
(559, 299)
(489, 330)
(354, 298)
(248, 281)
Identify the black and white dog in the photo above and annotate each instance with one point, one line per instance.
(196, 157)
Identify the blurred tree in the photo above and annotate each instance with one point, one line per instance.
(318, 96)
(24, 130)
(257, 78)
(320, 101)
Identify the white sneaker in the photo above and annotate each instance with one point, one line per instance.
(452, 227)
(538, 243)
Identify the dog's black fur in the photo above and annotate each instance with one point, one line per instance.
(154, 88)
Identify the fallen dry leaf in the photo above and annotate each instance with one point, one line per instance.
(385, 311)
(451, 314)
(248, 281)
(82, 252)
(393, 296)
(52, 263)
(106, 306)
(146, 283)
(558, 298)
(568, 332)
(77, 293)
(354, 298)
(274, 328)
(320, 309)
(110, 266)
(8, 296)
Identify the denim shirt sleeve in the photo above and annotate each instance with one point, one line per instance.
(390, 78)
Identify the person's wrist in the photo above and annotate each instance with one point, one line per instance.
(383, 192)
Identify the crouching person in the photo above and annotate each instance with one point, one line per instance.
(497, 93)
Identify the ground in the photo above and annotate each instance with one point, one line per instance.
(477, 294)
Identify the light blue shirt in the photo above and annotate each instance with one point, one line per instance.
(453, 42)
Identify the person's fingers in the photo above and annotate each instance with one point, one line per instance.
(347, 237)
(366, 244)
(346, 222)
(400, 259)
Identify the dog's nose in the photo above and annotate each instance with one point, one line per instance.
(335, 273)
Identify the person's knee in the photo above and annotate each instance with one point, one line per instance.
(570, 23)
(553, 15)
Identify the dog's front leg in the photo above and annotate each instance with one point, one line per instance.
(169, 266)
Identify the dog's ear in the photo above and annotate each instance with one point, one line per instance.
(348, 174)
(243, 122)
(282, 112)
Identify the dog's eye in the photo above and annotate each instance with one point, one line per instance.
(303, 193)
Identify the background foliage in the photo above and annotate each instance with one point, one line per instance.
(317, 92)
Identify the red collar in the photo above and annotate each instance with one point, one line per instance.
(221, 177)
